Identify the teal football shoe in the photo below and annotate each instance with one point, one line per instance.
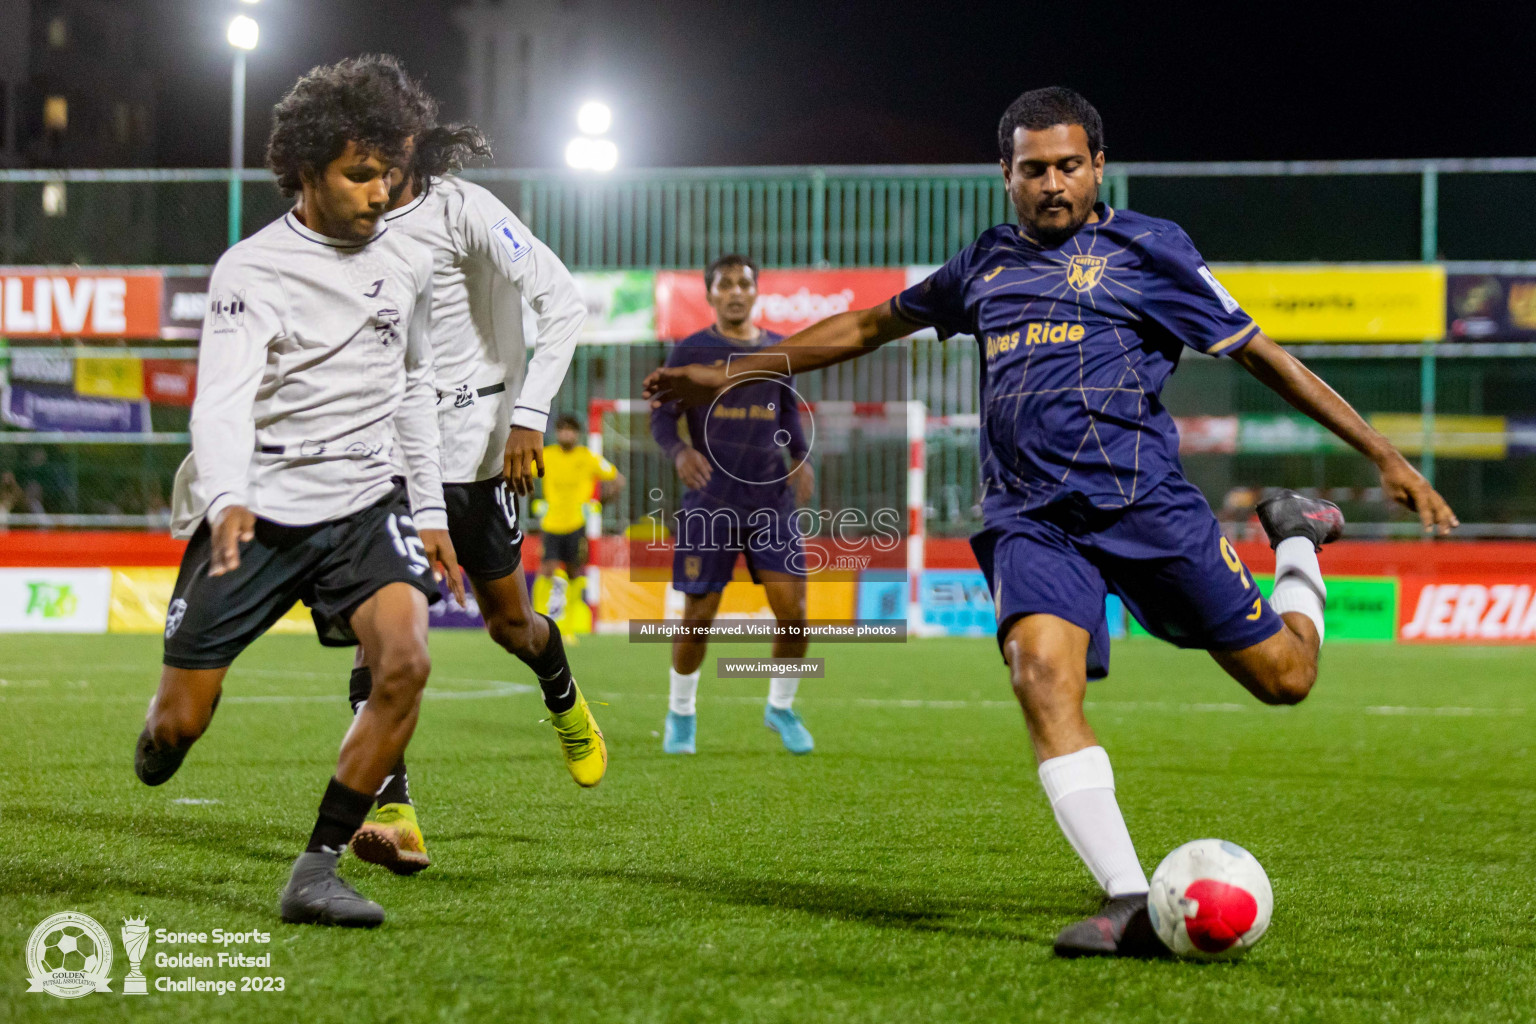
(678, 738)
(785, 722)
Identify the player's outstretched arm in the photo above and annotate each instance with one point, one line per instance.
(1288, 377)
(833, 340)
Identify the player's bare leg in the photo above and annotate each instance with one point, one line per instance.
(1283, 668)
(535, 640)
(699, 611)
(786, 596)
(1047, 665)
(392, 627)
(179, 714)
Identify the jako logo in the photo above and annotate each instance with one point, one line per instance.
(1472, 611)
(802, 305)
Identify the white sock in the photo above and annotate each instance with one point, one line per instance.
(1299, 583)
(1081, 788)
(680, 698)
(557, 585)
(781, 691)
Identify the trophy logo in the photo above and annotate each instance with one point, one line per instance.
(135, 939)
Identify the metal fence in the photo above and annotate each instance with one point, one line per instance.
(866, 216)
(828, 216)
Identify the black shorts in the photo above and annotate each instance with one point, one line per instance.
(333, 567)
(570, 548)
(482, 523)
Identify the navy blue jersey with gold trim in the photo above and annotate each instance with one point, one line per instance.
(1077, 341)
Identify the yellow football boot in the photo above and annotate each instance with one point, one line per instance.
(581, 741)
(392, 839)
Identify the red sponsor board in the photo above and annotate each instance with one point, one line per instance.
(1456, 609)
(43, 303)
(170, 381)
(787, 300)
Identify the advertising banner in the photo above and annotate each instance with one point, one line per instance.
(40, 365)
(1481, 609)
(953, 602)
(1339, 302)
(54, 600)
(621, 305)
(1359, 607)
(37, 408)
(109, 377)
(787, 301)
(170, 381)
(1491, 307)
(46, 303)
(1287, 433)
(183, 301)
(140, 596)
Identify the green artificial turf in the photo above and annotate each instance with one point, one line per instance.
(909, 870)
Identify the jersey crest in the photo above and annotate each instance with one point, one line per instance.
(1084, 271)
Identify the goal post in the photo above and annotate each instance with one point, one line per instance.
(871, 444)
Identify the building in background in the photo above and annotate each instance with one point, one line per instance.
(14, 38)
(524, 61)
(78, 89)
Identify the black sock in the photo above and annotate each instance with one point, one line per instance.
(342, 812)
(554, 671)
(359, 687)
(396, 789)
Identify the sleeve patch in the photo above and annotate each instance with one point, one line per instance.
(1227, 301)
(510, 239)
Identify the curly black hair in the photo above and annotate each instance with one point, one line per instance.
(1043, 108)
(369, 100)
(445, 149)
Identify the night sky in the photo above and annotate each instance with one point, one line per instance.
(711, 83)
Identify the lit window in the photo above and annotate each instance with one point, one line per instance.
(56, 113)
(58, 32)
(55, 199)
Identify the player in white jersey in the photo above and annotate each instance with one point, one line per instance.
(493, 409)
(314, 365)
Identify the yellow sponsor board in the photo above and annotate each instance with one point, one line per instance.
(1341, 302)
(624, 598)
(140, 596)
(1465, 437)
(110, 378)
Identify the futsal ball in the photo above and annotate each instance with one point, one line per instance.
(70, 948)
(1209, 899)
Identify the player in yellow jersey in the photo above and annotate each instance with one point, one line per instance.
(571, 470)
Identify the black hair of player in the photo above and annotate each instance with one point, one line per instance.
(1042, 108)
(445, 149)
(730, 259)
(567, 420)
(367, 100)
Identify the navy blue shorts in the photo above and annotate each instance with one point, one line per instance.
(709, 538)
(1164, 556)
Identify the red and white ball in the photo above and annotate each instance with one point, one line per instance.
(1209, 899)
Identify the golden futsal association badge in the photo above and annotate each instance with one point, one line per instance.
(1083, 272)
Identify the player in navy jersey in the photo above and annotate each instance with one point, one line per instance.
(740, 500)
(1081, 313)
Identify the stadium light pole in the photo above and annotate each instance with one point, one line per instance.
(242, 35)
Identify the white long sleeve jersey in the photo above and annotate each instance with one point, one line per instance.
(315, 363)
(486, 264)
